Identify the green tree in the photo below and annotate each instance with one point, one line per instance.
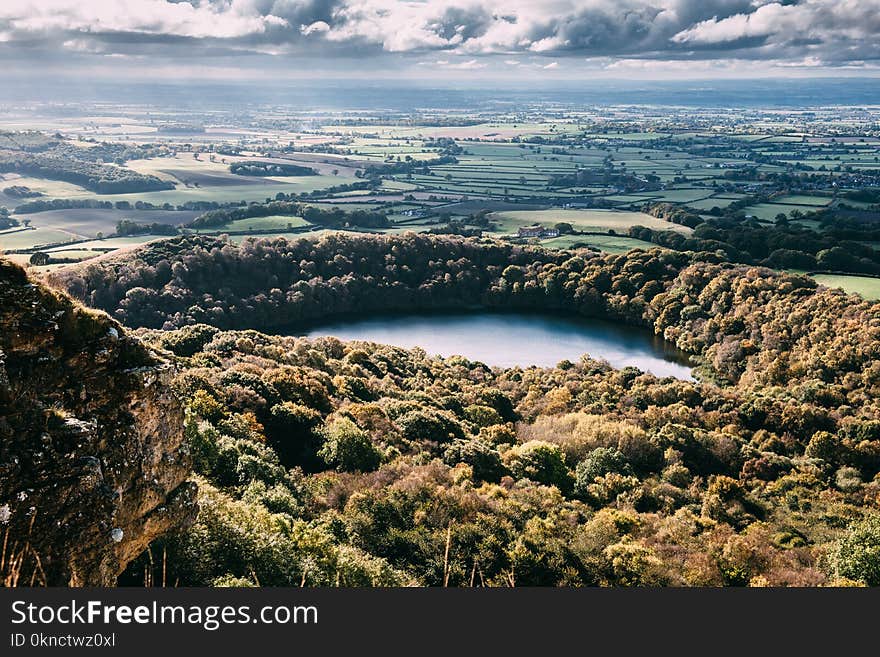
(542, 462)
(483, 458)
(857, 555)
(599, 462)
(348, 448)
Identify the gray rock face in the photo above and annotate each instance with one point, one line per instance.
(93, 462)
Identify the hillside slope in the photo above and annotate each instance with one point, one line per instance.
(93, 464)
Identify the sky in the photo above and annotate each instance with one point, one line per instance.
(468, 40)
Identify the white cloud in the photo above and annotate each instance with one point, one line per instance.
(137, 16)
(764, 21)
(315, 28)
(833, 32)
(469, 65)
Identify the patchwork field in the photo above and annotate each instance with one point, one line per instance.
(583, 220)
(90, 222)
(519, 165)
(48, 188)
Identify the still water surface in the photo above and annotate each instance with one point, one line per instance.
(511, 339)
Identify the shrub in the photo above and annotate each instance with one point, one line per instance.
(290, 431)
(599, 462)
(429, 425)
(348, 448)
(206, 405)
(857, 554)
(484, 459)
(848, 479)
(498, 434)
(541, 462)
(189, 340)
(825, 446)
(482, 416)
(634, 565)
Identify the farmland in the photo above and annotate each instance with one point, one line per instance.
(602, 172)
(27, 239)
(865, 286)
(606, 243)
(278, 223)
(593, 221)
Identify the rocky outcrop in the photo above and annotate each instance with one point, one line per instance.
(93, 462)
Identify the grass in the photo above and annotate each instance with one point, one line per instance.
(111, 243)
(28, 239)
(49, 189)
(865, 286)
(228, 188)
(709, 203)
(74, 254)
(233, 193)
(800, 199)
(89, 222)
(606, 243)
(272, 222)
(768, 211)
(683, 195)
(585, 220)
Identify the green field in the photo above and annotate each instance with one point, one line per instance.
(228, 193)
(196, 180)
(684, 195)
(768, 211)
(606, 243)
(28, 239)
(585, 220)
(49, 188)
(112, 242)
(865, 286)
(709, 203)
(272, 222)
(799, 199)
(90, 222)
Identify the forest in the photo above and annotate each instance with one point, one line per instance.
(54, 158)
(842, 245)
(331, 217)
(98, 178)
(329, 463)
(248, 168)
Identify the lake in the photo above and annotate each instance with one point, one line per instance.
(515, 339)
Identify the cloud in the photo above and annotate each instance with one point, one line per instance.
(767, 20)
(469, 65)
(315, 28)
(28, 19)
(484, 33)
(787, 27)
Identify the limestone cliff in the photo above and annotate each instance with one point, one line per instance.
(93, 463)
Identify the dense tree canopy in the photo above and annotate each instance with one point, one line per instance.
(378, 465)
